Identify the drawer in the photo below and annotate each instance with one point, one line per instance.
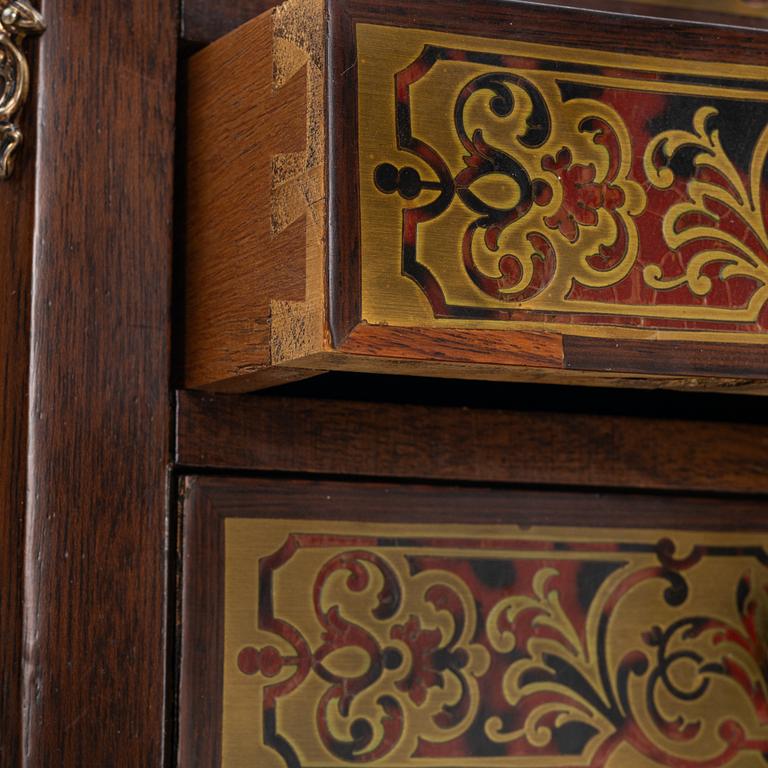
(330, 624)
(523, 193)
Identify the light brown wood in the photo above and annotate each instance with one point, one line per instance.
(256, 200)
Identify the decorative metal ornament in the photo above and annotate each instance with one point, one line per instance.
(17, 20)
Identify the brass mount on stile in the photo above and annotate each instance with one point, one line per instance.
(17, 20)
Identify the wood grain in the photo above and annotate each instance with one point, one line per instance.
(472, 444)
(454, 345)
(255, 199)
(630, 31)
(209, 501)
(549, 358)
(705, 12)
(748, 361)
(200, 681)
(95, 639)
(16, 222)
(443, 367)
(204, 21)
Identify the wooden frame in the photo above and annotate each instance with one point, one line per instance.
(94, 664)
(17, 204)
(260, 433)
(203, 22)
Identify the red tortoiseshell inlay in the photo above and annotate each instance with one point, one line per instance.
(414, 649)
(640, 194)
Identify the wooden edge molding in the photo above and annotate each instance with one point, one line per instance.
(745, 13)
(270, 433)
(751, 12)
(17, 202)
(740, 361)
(202, 22)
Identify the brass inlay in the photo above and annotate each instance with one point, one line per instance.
(579, 225)
(478, 646)
(17, 20)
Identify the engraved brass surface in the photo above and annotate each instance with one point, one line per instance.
(17, 20)
(450, 646)
(516, 184)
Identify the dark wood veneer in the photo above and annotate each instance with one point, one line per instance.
(206, 20)
(96, 542)
(203, 21)
(290, 434)
(685, 358)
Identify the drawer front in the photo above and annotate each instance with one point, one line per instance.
(525, 186)
(334, 624)
(530, 193)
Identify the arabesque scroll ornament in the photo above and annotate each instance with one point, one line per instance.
(716, 195)
(423, 652)
(545, 191)
(17, 20)
(556, 197)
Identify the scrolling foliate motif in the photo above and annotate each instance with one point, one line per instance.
(532, 184)
(716, 192)
(396, 647)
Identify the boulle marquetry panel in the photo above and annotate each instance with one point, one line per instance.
(521, 193)
(368, 635)
(538, 186)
